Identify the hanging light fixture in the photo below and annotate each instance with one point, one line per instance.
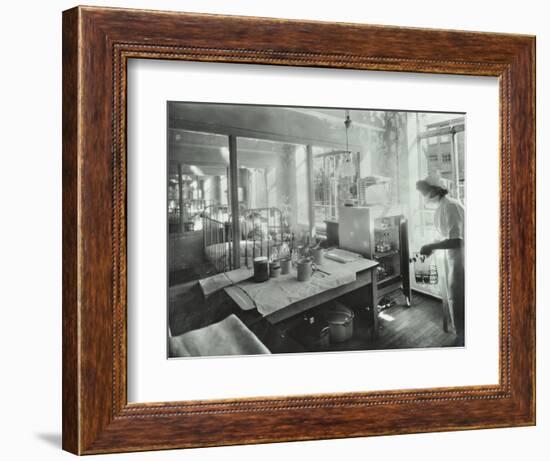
(347, 168)
(347, 124)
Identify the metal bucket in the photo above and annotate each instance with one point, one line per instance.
(274, 269)
(285, 265)
(340, 321)
(304, 270)
(318, 256)
(261, 269)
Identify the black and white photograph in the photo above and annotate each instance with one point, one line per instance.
(275, 230)
(313, 229)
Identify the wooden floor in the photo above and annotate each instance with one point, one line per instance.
(418, 326)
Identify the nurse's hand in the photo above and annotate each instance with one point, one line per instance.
(426, 250)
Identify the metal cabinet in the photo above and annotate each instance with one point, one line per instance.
(379, 233)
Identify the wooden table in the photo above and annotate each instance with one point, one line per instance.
(365, 275)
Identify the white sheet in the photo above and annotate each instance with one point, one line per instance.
(280, 292)
(227, 337)
(217, 282)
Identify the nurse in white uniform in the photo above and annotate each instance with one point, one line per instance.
(448, 250)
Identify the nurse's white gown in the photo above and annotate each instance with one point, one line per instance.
(449, 223)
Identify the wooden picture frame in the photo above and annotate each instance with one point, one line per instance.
(97, 43)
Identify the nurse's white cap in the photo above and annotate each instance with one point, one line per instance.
(434, 179)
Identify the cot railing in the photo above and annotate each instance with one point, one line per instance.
(217, 237)
(261, 229)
